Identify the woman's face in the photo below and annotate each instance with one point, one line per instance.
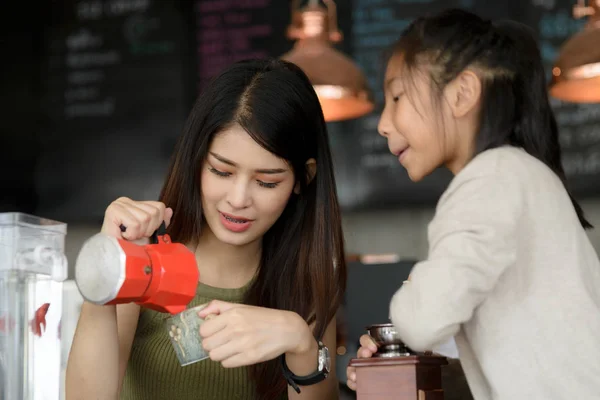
(245, 188)
(409, 123)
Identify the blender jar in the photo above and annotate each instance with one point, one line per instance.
(32, 268)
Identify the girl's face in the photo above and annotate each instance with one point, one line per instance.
(408, 122)
(245, 188)
(422, 132)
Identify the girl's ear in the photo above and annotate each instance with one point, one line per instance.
(464, 93)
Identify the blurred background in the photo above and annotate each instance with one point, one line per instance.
(95, 92)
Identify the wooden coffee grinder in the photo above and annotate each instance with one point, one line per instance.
(396, 372)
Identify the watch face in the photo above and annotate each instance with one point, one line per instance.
(324, 359)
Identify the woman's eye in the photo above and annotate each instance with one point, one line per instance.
(224, 174)
(269, 185)
(219, 173)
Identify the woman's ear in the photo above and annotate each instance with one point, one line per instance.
(311, 171)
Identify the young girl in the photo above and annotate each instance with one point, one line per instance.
(510, 273)
(251, 191)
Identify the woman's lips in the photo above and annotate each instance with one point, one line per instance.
(235, 223)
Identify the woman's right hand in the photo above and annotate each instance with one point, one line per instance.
(141, 218)
(366, 350)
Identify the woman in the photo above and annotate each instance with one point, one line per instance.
(251, 191)
(510, 271)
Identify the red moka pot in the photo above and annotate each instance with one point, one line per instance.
(161, 276)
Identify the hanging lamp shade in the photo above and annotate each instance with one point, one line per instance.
(340, 85)
(576, 73)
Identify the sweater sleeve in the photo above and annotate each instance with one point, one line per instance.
(472, 240)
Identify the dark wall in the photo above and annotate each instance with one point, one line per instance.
(370, 178)
(96, 92)
(20, 44)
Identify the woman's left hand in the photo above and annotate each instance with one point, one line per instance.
(239, 335)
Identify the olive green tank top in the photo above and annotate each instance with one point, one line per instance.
(153, 371)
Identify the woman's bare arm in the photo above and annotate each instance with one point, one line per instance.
(100, 351)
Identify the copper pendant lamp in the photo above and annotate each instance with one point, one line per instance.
(340, 85)
(576, 73)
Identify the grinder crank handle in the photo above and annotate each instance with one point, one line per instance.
(162, 230)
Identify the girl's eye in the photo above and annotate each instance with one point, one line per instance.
(219, 173)
(269, 185)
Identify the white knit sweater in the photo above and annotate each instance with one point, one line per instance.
(513, 276)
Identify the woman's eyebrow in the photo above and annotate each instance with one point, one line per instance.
(260, 171)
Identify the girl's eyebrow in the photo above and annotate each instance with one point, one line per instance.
(390, 80)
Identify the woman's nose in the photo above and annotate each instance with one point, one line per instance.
(239, 195)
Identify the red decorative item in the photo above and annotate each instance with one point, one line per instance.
(39, 319)
(162, 275)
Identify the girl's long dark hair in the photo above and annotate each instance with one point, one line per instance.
(275, 103)
(515, 105)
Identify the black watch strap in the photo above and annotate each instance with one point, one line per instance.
(295, 381)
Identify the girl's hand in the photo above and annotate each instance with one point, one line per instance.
(237, 335)
(366, 350)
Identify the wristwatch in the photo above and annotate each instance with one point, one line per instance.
(323, 368)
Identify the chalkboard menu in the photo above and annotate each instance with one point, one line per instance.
(113, 103)
(579, 124)
(232, 30)
(228, 31)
